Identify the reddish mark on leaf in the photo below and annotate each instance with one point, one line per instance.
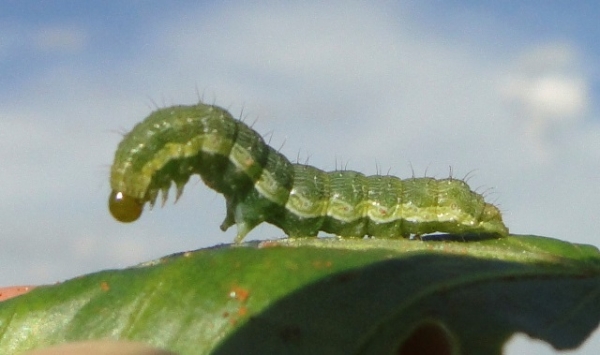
(242, 311)
(320, 264)
(104, 286)
(13, 291)
(239, 293)
(268, 244)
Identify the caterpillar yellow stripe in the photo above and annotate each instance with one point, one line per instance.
(262, 185)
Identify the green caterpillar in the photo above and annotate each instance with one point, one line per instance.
(262, 185)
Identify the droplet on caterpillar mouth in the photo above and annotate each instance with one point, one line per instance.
(124, 208)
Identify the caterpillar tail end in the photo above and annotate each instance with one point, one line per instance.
(124, 208)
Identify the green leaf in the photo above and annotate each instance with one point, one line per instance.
(326, 296)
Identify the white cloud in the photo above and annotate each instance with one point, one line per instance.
(549, 93)
(552, 97)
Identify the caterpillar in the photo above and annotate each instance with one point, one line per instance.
(262, 185)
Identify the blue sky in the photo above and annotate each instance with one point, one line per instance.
(505, 90)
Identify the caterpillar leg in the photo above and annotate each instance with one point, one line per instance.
(243, 227)
(243, 216)
(227, 222)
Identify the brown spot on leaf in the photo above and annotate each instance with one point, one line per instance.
(104, 286)
(242, 311)
(320, 264)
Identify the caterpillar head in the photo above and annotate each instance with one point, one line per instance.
(155, 154)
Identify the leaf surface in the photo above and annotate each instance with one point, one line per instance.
(325, 296)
